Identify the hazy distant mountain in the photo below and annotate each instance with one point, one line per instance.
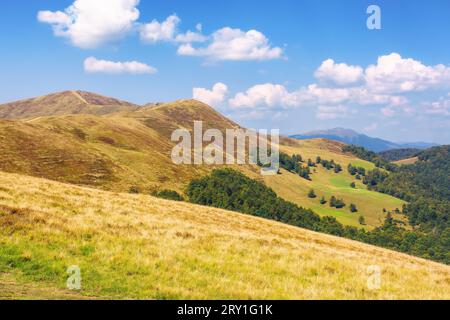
(352, 137)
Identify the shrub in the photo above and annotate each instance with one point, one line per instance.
(312, 194)
(134, 190)
(362, 220)
(168, 195)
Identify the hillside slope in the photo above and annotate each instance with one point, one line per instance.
(132, 147)
(136, 246)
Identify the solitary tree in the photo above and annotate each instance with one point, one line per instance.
(389, 220)
(333, 201)
(362, 221)
(339, 204)
(353, 185)
(323, 201)
(312, 194)
(353, 208)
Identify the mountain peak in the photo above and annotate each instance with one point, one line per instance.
(62, 103)
(343, 132)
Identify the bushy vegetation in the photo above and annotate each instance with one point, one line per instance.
(371, 156)
(134, 190)
(360, 171)
(426, 187)
(168, 195)
(362, 220)
(336, 203)
(399, 154)
(374, 177)
(231, 190)
(293, 164)
(312, 194)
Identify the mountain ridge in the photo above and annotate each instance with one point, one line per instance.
(63, 103)
(350, 136)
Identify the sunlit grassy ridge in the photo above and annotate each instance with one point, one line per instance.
(136, 246)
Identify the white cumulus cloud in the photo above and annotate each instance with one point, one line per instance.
(339, 73)
(213, 97)
(93, 65)
(89, 24)
(277, 96)
(160, 31)
(266, 95)
(234, 44)
(394, 74)
(167, 31)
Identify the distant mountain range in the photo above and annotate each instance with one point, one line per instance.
(352, 137)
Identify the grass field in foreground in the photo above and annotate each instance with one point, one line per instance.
(136, 246)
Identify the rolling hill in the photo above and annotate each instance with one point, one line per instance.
(352, 137)
(137, 246)
(118, 150)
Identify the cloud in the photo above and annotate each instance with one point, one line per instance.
(339, 73)
(167, 31)
(371, 127)
(213, 97)
(440, 107)
(57, 18)
(190, 37)
(160, 31)
(275, 95)
(93, 65)
(234, 45)
(331, 112)
(90, 24)
(394, 74)
(388, 111)
(264, 95)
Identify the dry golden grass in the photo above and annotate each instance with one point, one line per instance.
(407, 161)
(136, 246)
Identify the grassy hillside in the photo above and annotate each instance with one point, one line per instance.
(130, 147)
(326, 183)
(136, 246)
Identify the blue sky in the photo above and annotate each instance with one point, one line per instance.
(263, 63)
